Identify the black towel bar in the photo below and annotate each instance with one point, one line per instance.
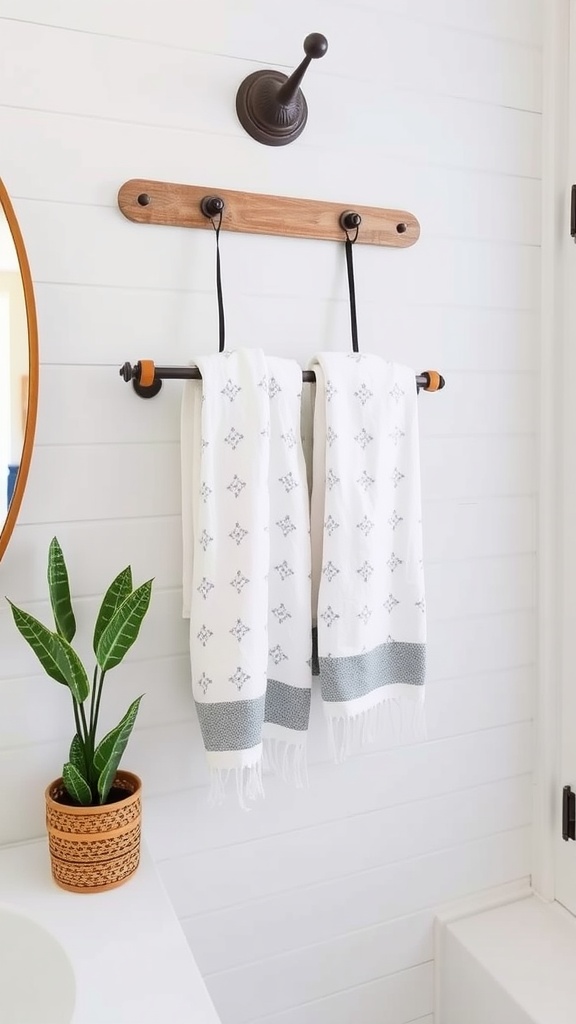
(147, 378)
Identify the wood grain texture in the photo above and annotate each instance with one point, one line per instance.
(251, 213)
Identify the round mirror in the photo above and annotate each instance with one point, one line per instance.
(18, 368)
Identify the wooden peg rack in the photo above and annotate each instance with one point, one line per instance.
(160, 202)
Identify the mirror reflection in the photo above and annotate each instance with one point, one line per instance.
(14, 367)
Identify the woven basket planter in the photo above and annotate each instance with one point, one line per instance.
(93, 849)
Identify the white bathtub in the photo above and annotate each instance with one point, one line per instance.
(512, 964)
(116, 957)
(37, 982)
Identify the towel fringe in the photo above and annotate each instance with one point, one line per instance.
(404, 720)
(288, 760)
(248, 780)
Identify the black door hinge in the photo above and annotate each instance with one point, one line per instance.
(568, 814)
(573, 213)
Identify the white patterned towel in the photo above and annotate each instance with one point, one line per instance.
(245, 514)
(368, 580)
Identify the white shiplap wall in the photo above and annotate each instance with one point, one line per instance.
(316, 908)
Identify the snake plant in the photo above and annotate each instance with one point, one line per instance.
(89, 773)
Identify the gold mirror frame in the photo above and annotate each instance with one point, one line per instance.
(14, 508)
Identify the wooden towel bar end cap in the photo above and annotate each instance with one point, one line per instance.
(435, 381)
(145, 382)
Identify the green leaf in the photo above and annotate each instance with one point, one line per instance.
(59, 588)
(122, 630)
(42, 642)
(117, 592)
(109, 751)
(76, 785)
(71, 668)
(106, 747)
(76, 756)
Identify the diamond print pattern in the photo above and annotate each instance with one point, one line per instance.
(281, 613)
(239, 630)
(284, 570)
(238, 534)
(363, 394)
(236, 486)
(205, 539)
(204, 682)
(365, 571)
(230, 390)
(288, 482)
(330, 525)
(229, 676)
(363, 438)
(360, 501)
(233, 438)
(330, 571)
(395, 519)
(239, 582)
(396, 434)
(330, 616)
(365, 526)
(205, 587)
(277, 655)
(204, 635)
(286, 525)
(238, 678)
(365, 480)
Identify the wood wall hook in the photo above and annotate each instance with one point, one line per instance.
(271, 106)
(181, 206)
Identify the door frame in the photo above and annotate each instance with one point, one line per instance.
(556, 572)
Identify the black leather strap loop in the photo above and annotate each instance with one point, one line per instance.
(352, 289)
(217, 224)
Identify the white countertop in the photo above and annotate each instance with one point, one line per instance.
(131, 961)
